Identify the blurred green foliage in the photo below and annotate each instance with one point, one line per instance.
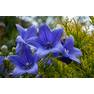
(84, 40)
(10, 31)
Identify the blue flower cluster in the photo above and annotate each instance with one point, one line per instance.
(34, 44)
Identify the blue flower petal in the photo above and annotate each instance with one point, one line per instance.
(31, 31)
(21, 43)
(58, 48)
(26, 33)
(57, 34)
(75, 51)
(19, 39)
(69, 43)
(36, 58)
(1, 59)
(19, 47)
(18, 71)
(42, 52)
(33, 70)
(21, 30)
(72, 57)
(31, 39)
(45, 34)
(34, 41)
(27, 54)
(17, 60)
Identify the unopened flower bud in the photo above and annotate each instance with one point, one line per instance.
(4, 48)
(10, 53)
(13, 49)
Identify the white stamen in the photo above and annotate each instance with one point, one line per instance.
(66, 51)
(27, 64)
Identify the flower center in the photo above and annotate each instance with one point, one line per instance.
(27, 66)
(66, 51)
(48, 45)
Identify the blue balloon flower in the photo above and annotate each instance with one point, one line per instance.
(48, 41)
(69, 51)
(25, 37)
(25, 63)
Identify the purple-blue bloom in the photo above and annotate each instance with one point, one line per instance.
(25, 37)
(1, 63)
(69, 51)
(48, 41)
(1, 59)
(25, 63)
